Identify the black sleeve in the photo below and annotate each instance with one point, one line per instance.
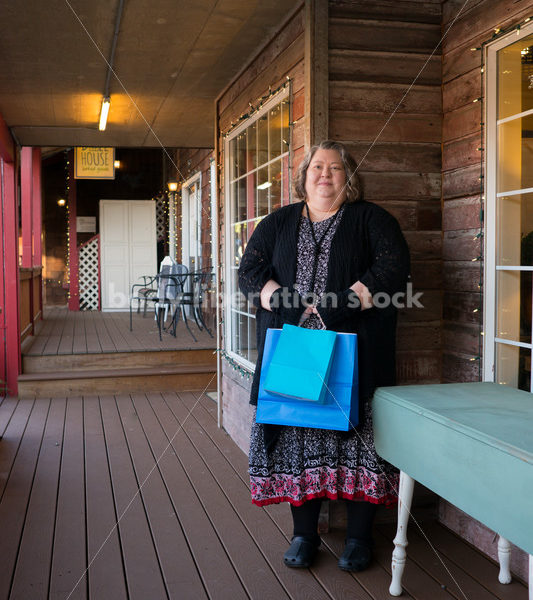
(255, 268)
(390, 263)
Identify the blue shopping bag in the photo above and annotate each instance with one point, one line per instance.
(340, 409)
(301, 363)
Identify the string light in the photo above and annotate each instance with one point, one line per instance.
(258, 105)
(498, 32)
(67, 216)
(234, 364)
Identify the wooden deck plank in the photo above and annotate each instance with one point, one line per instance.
(143, 573)
(119, 336)
(333, 581)
(57, 321)
(254, 570)
(467, 563)
(79, 343)
(32, 571)
(416, 580)
(67, 336)
(144, 332)
(215, 568)
(91, 335)
(62, 327)
(106, 570)
(17, 492)
(7, 408)
(187, 499)
(268, 537)
(448, 575)
(12, 438)
(104, 339)
(69, 560)
(178, 567)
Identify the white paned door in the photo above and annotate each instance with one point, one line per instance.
(128, 248)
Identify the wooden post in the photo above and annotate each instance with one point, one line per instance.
(74, 298)
(26, 201)
(316, 72)
(7, 148)
(9, 321)
(37, 208)
(37, 212)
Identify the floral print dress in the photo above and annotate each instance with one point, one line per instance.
(317, 463)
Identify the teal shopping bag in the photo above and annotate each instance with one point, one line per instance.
(301, 363)
(340, 408)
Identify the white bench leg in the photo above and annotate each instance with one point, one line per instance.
(399, 555)
(504, 557)
(530, 577)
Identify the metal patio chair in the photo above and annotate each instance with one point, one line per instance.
(193, 297)
(170, 284)
(143, 293)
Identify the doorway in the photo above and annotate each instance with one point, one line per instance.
(128, 248)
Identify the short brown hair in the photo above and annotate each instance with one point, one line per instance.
(354, 190)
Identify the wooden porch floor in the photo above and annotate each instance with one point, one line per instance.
(92, 332)
(143, 497)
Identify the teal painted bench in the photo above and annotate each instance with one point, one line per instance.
(472, 444)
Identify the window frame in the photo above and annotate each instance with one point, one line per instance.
(187, 233)
(490, 192)
(282, 95)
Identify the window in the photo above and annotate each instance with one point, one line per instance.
(257, 182)
(191, 223)
(509, 237)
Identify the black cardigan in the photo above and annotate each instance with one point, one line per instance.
(368, 246)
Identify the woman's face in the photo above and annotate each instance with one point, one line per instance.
(325, 179)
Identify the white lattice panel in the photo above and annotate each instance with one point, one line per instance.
(160, 217)
(89, 285)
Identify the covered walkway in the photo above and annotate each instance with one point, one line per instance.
(72, 468)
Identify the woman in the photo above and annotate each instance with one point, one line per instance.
(332, 242)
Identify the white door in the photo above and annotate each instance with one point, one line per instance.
(191, 228)
(128, 248)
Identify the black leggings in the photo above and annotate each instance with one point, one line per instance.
(360, 518)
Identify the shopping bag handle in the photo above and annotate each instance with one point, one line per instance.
(323, 325)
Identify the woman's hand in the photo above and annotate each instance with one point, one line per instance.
(310, 310)
(285, 302)
(266, 293)
(364, 295)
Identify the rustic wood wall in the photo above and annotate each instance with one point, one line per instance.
(376, 51)
(461, 204)
(282, 57)
(461, 168)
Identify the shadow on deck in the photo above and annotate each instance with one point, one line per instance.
(177, 486)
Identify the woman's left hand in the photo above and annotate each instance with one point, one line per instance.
(310, 310)
(364, 295)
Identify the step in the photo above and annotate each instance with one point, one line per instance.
(177, 378)
(116, 360)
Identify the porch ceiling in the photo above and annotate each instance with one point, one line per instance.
(173, 58)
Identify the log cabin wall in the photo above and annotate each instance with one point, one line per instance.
(461, 204)
(282, 57)
(376, 50)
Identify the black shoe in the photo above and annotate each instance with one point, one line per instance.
(357, 555)
(302, 551)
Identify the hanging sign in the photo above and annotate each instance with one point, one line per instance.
(86, 224)
(92, 162)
